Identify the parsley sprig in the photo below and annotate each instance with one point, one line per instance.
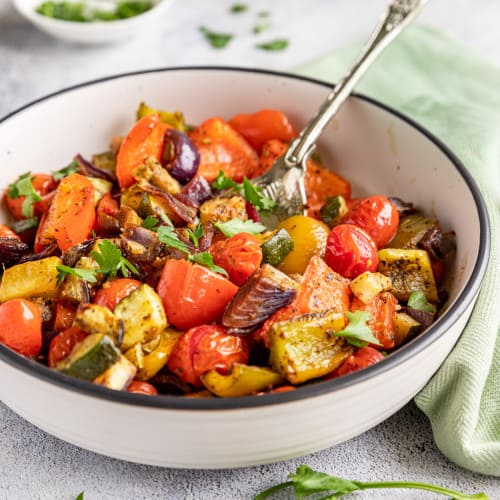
(418, 300)
(23, 186)
(307, 481)
(357, 332)
(69, 169)
(236, 226)
(206, 259)
(251, 192)
(216, 40)
(168, 236)
(84, 274)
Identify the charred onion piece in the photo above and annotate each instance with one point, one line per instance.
(11, 251)
(139, 244)
(264, 293)
(195, 192)
(73, 255)
(423, 317)
(86, 168)
(48, 251)
(180, 156)
(404, 208)
(437, 244)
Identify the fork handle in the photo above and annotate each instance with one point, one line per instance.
(398, 15)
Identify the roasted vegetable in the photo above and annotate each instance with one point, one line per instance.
(11, 251)
(118, 376)
(306, 347)
(90, 358)
(101, 187)
(405, 328)
(276, 247)
(142, 315)
(223, 210)
(409, 270)
(263, 294)
(105, 161)
(152, 172)
(242, 380)
(367, 285)
(180, 156)
(333, 210)
(93, 318)
(175, 119)
(31, 279)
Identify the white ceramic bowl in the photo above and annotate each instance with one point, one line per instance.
(379, 150)
(96, 32)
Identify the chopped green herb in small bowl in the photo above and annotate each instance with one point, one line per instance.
(93, 21)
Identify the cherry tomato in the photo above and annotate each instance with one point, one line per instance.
(363, 357)
(193, 295)
(382, 309)
(377, 216)
(114, 291)
(44, 185)
(21, 329)
(205, 348)
(350, 251)
(65, 313)
(239, 255)
(139, 387)
(105, 221)
(63, 343)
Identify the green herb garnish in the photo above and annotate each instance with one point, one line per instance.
(418, 300)
(80, 496)
(357, 332)
(274, 46)
(206, 259)
(236, 226)
(84, 274)
(150, 222)
(111, 261)
(23, 186)
(307, 482)
(263, 13)
(251, 192)
(195, 235)
(238, 8)
(168, 236)
(69, 169)
(217, 40)
(259, 28)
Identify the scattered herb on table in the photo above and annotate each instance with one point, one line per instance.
(274, 45)
(237, 8)
(80, 496)
(307, 482)
(217, 40)
(263, 13)
(261, 27)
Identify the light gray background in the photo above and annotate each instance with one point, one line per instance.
(34, 465)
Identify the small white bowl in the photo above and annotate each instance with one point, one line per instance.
(377, 148)
(95, 32)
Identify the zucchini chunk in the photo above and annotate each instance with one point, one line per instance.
(90, 358)
(306, 347)
(93, 318)
(367, 285)
(142, 315)
(276, 247)
(333, 210)
(410, 270)
(37, 278)
(405, 327)
(117, 376)
(242, 380)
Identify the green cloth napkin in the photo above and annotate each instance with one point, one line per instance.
(454, 93)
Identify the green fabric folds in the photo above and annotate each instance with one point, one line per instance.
(455, 94)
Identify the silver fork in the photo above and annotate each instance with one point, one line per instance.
(284, 183)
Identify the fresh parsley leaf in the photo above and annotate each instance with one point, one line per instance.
(418, 300)
(259, 28)
(19, 226)
(274, 46)
(235, 226)
(111, 261)
(150, 222)
(357, 332)
(80, 496)
(254, 195)
(216, 40)
(84, 274)
(206, 259)
(222, 182)
(307, 481)
(168, 236)
(238, 8)
(71, 168)
(195, 234)
(23, 186)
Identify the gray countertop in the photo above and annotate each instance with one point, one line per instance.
(35, 465)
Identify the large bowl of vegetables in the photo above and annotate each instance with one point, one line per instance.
(150, 311)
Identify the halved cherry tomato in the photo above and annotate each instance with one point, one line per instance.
(21, 328)
(382, 309)
(363, 357)
(205, 348)
(261, 126)
(192, 294)
(6, 232)
(114, 291)
(222, 148)
(105, 221)
(63, 343)
(65, 313)
(44, 185)
(239, 255)
(139, 387)
(71, 213)
(350, 251)
(377, 216)
(145, 139)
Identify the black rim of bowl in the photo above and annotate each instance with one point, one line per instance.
(312, 390)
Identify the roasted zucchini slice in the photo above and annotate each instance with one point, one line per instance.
(93, 318)
(118, 376)
(276, 247)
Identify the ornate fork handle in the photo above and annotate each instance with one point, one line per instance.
(398, 15)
